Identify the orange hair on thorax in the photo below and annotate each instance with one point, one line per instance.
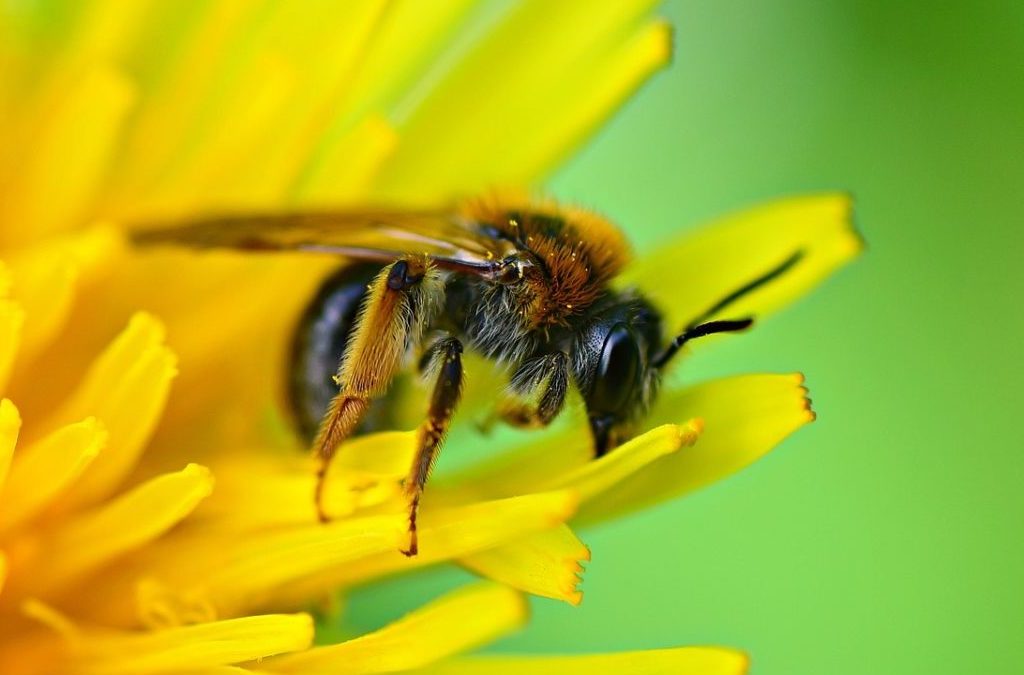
(578, 251)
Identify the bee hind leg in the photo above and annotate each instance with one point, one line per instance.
(380, 340)
(443, 361)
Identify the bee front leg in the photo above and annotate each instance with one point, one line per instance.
(537, 391)
(443, 361)
(401, 301)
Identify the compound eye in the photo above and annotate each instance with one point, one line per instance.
(618, 371)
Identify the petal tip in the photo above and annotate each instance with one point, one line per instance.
(860, 242)
(691, 431)
(10, 418)
(667, 43)
(202, 475)
(566, 508)
(805, 399)
(743, 661)
(148, 325)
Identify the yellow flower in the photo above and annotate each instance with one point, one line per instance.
(148, 531)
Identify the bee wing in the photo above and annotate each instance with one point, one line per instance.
(379, 236)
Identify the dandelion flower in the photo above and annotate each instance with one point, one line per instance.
(152, 518)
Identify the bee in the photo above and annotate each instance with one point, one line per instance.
(526, 283)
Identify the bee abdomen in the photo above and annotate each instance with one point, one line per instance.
(319, 343)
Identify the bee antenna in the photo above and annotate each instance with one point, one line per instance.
(701, 326)
(698, 331)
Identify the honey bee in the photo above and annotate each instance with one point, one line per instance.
(526, 283)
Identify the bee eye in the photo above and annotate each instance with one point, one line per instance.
(618, 371)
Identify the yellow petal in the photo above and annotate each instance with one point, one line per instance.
(407, 42)
(548, 564)
(58, 178)
(436, 157)
(460, 621)
(3, 570)
(518, 471)
(292, 566)
(212, 43)
(201, 646)
(385, 454)
(323, 57)
(563, 460)
(10, 425)
(121, 525)
(47, 468)
(729, 253)
(344, 167)
(744, 416)
(12, 318)
(46, 279)
(106, 652)
(678, 661)
(126, 389)
(594, 478)
(44, 284)
(367, 472)
(583, 103)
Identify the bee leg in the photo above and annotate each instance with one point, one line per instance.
(400, 302)
(536, 391)
(444, 358)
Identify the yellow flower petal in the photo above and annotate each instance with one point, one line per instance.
(47, 468)
(3, 570)
(563, 460)
(722, 257)
(58, 178)
(384, 454)
(436, 157)
(548, 564)
(10, 425)
(45, 280)
(595, 477)
(585, 102)
(344, 168)
(518, 471)
(44, 284)
(744, 416)
(291, 567)
(211, 43)
(322, 58)
(105, 652)
(87, 541)
(460, 621)
(12, 318)
(678, 661)
(201, 646)
(126, 389)
(405, 45)
(367, 473)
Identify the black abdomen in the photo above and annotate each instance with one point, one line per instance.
(319, 343)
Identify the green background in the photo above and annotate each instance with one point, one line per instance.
(885, 538)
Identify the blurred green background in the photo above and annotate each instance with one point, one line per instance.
(886, 538)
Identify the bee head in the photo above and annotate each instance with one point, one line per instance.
(614, 369)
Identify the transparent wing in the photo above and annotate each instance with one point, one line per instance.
(382, 236)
